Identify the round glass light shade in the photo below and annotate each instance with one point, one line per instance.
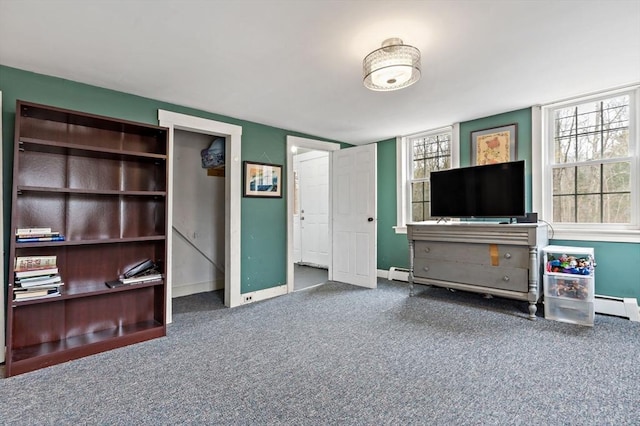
(393, 66)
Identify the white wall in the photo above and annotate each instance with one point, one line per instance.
(198, 219)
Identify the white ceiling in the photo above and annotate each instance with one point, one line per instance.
(297, 64)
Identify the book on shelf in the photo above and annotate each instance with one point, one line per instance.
(24, 263)
(38, 281)
(40, 287)
(36, 272)
(134, 280)
(30, 239)
(35, 230)
(31, 294)
(141, 278)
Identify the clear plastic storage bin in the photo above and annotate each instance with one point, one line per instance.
(569, 284)
(570, 311)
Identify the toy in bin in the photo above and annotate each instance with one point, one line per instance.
(571, 264)
(574, 288)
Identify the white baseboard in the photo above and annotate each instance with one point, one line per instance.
(187, 289)
(621, 307)
(267, 293)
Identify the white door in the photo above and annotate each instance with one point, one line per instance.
(314, 207)
(354, 216)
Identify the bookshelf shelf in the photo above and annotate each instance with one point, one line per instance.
(80, 191)
(33, 357)
(63, 148)
(88, 290)
(101, 183)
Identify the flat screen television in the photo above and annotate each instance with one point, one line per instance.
(492, 191)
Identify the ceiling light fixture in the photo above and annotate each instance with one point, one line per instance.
(394, 66)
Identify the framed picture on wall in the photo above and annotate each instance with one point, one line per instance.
(494, 145)
(262, 180)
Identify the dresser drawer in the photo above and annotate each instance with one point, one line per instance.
(479, 254)
(505, 278)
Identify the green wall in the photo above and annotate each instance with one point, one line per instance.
(616, 274)
(264, 221)
(392, 248)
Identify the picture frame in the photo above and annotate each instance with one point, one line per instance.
(262, 180)
(494, 145)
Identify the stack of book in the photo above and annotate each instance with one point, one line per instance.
(33, 235)
(36, 277)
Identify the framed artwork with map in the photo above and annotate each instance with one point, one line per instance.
(494, 145)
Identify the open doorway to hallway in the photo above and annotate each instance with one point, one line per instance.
(310, 217)
(198, 227)
(309, 212)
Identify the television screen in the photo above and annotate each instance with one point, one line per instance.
(494, 190)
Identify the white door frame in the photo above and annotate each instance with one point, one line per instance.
(233, 188)
(3, 312)
(318, 145)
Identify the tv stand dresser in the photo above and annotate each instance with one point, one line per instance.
(488, 258)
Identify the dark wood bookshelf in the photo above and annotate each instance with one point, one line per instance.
(100, 182)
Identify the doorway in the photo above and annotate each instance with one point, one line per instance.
(310, 217)
(198, 214)
(233, 186)
(309, 246)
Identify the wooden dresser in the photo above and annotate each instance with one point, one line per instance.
(489, 258)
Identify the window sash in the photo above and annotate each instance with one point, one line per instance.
(439, 157)
(593, 230)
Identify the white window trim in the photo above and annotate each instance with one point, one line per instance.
(402, 167)
(541, 182)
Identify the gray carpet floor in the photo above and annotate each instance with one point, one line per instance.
(307, 276)
(342, 355)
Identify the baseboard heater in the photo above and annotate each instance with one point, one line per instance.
(620, 307)
(398, 274)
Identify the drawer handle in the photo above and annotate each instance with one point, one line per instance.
(505, 278)
(426, 268)
(427, 249)
(507, 255)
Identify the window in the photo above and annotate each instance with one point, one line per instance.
(418, 155)
(591, 163)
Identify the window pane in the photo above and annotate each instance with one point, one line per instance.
(417, 212)
(617, 177)
(616, 112)
(616, 143)
(417, 189)
(617, 208)
(589, 208)
(418, 149)
(427, 192)
(564, 180)
(588, 179)
(419, 169)
(565, 150)
(564, 208)
(588, 147)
